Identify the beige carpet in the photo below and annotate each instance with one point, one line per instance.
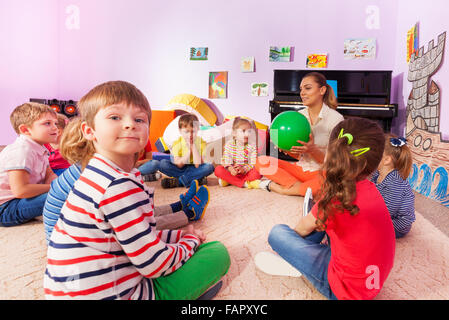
(242, 219)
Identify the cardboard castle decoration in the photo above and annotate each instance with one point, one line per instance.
(430, 153)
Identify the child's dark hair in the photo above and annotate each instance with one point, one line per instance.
(401, 156)
(329, 97)
(188, 120)
(356, 146)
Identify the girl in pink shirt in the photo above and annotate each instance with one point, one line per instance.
(57, 163)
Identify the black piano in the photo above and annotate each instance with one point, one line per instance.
(359, 93)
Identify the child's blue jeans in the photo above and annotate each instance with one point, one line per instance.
(18, 211)
(305, 254)
(148, 167)
(186, 174)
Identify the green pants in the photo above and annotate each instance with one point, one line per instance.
(206, 267)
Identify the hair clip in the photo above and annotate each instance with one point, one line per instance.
(398, 142)
(360, 151)
(347, 135)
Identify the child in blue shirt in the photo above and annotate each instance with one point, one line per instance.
(391, 181)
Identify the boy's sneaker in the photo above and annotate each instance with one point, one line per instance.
(199, 202)
(308, 202)
(212, 291)
(223, 183)
(151, 177)
(185, 198)
(167, 183)
(202, 181)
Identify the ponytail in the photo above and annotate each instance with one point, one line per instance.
(329, 97)
(400, 154)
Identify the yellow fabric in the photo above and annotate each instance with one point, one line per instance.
(193, 104)
(180, 148)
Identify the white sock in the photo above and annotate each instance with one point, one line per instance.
(263, 184)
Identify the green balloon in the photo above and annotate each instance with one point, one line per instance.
(287, 128)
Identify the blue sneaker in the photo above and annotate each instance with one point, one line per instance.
(199, 202)
(185, 198)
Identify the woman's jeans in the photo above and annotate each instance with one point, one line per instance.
(305, 254)
(149, 167)
(18, 211)
(186, 174)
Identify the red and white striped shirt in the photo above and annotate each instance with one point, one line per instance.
(245, 155)
(105, 244)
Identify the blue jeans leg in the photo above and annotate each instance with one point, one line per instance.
(306, 254)
(186, 174)
(148, 167)
(18, 211)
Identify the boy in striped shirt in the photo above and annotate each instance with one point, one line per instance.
(105, 244)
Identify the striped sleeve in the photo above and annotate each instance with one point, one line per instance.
(405, 215)
(228, 152)
(128, 210)
(250, 157)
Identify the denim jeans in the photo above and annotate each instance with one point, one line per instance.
(186, 174)
(148, 167)
(18, 211)
(305, 254)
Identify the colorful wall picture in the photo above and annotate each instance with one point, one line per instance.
(247, 64)
(198, 53)
(360, 48)
(280, 54)
(218, 85)
(412, 41)
(259, 89)
(316, 61)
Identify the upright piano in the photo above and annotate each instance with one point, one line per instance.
(359, 93)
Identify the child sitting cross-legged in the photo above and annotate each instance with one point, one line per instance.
(191, 207)
(187, 162)
(239, 157)
(25, 174)
(105, 244)
(391, 181)
(351, 211)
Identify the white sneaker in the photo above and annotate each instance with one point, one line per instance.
(264, 185)
(273, 264)
(308, 202)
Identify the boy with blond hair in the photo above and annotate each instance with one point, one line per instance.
(25, 174)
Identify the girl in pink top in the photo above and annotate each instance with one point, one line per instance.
(57, 163)
(352, 212)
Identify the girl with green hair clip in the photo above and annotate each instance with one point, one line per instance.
(351, 211)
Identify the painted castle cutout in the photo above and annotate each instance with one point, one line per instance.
(430, 153)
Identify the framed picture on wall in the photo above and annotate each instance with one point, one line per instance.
(198, 53)
(218, 85)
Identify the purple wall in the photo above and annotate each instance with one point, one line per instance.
(147, 43)
(432, 18)
(29, 56)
